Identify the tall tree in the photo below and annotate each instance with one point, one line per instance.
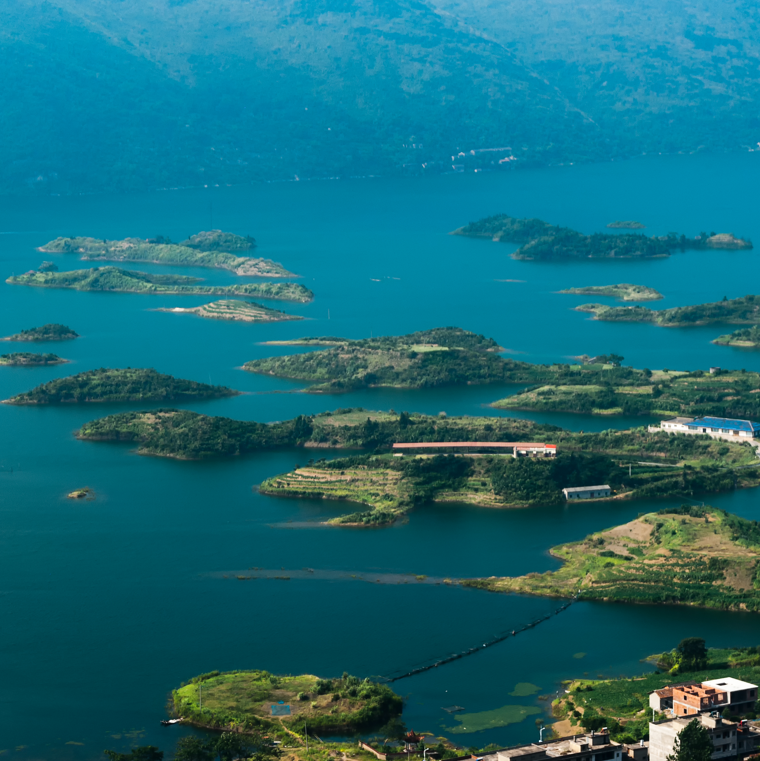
(692, 654)
(693, 743)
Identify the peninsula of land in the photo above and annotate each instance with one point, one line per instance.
(703, 557)
(744, 310)
(212, 248)
(130, 385)
(49, 332)
(244, 700)
(29, 359)
(621, 292)
(540, 240)
(235, 311)
(389, 486)
(429, 358)
(746, 337)
(626, 225)
(117, 280)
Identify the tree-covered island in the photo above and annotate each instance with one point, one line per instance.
(113, 279)
(30, 359)
(621, 292)
(703, 557)
(242, 701)
(428, 358)
(607, 390)
(129, 385)
(637, 464)
(748, 338)
(744, 310)
(235, 311)
(212, 248)
(628, 224)
(540, 240)
(52, 331)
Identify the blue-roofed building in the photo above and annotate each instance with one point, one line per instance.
(717, 427)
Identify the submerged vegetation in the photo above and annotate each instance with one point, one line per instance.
(235, 311)
(29, 359)
(205, 249)
(243, 700)
(129, 281)
(130, 385)
(691, 555)
(540, 240)
(745, 309)
(50, 332)
(622, 292)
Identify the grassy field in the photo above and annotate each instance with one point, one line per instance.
(696, 556)
(244, 699)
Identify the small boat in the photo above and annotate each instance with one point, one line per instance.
(169, 722)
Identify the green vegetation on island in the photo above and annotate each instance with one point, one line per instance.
(622, 292)
(744, 310)
(622, 705)
(50, 332)
(745, 337)
(235, 311)
(625, 225)
(247, 701)
(635, 463)
(85, 493)
(703, 557)
(130, 385)
(129, 281)
(540, 240)
(429, 358)
(608, 390)
(214, 248)
(29, 359)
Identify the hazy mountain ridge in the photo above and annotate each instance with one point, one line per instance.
(133, 95)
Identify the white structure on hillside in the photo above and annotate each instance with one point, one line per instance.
(716, 427)
(587, 492)
(730, 740)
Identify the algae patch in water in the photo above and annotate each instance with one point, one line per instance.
(523, 689)
(498, 717)
(580, 655)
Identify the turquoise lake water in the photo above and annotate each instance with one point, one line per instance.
(105, 606)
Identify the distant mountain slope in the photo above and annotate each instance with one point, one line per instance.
(656, 75)
(135, 94)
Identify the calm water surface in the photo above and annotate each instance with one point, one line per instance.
(105, 606)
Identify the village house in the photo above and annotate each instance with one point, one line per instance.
(596, 746)
(587, 492)
(691, 698)
(730, 740)
(716, 427)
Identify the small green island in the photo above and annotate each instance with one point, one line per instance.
(129, 385)
(609, 390)
(212, 248)
(50, 332)
(621, 292)
(698, 556)
(258, 701)
(113, 279)
(541, 241)
(85, 493)
(30, 359)
(744, 310)
(746, 337)
(625, 225)
(426, 359)
(389, 486)
(235, 311)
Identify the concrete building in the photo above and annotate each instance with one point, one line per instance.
(729, 739)
(587, 492)
(596, 746)
(716, 427)
(689, 700)
(742, 696)
(519, 448)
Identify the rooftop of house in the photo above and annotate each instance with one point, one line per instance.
(727, 424)
(729, 684)
(573, 489)
(680, 420)
(564, 746)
